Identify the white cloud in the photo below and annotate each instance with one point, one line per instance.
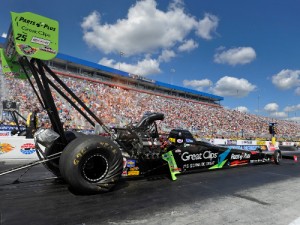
(242, 109)
(166, 56)
(4, 35)
(292, 108)
(142, 68)
(287, 79)
(146, 29)
(188, 45)
(294, 118)
(207, 26)
(271, 107)
(297, 91)
(176, 4)
(232, 86)
(234, 56)
(108, 62)
(197, 84)
(278, 114)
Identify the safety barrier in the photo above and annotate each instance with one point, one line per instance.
(17, 148)
(20, 148)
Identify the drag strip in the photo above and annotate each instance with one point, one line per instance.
(261, 194)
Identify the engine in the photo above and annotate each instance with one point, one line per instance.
(142, 139)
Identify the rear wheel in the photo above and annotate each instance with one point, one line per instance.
(53, 165)
(91, 164)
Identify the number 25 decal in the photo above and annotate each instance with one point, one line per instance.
(21, 37)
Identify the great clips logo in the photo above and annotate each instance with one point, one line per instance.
(27, 148)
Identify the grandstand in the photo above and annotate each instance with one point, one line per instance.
(117, 77)
(119, 98)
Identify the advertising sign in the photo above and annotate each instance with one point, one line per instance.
(17, 148)
(9, 105)
(34, 35)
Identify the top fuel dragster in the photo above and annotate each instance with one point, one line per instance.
(94, 163)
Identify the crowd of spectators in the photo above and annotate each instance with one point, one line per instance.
(119, 106)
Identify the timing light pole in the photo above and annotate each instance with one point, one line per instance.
(121, 54)
(258, 105)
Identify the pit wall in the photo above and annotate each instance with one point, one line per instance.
(249, 144)
(19, 148)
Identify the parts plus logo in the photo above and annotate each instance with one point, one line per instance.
(27, 148)
(5, 147)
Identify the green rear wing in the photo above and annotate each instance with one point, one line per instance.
(29, 35)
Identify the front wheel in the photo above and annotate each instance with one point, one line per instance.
(277, 157)
(91, 164)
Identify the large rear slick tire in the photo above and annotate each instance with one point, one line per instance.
(91, 164)
(53, 165)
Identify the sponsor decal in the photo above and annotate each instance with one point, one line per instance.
(247, 142)
(134, 168)
(221, 160)
(244, 147)
(5, 147)
(130, 163)
(47, 49)
(179, 141)
(27, 148)
(178, 151)
(231, 142)
(189, 140)
(261, 142)
(263, 160)
(27, 49)
(239, 162)
(240, 156)
(186, 156)
(27, 20)
(40, 41)
(198, 165)
(4, 133)
(133, 173)
(10, 128)
(172, 140)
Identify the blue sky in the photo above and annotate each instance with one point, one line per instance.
(246, 51)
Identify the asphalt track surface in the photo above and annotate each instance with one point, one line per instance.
(261, 194)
